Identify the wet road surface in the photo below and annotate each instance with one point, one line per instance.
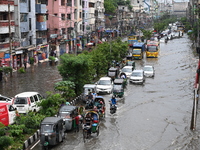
(153, 116)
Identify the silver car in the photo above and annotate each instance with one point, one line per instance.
(149, 71)
(137, 76)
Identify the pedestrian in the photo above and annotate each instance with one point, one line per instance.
(25, 61)
(77, 121)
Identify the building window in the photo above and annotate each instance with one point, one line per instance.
(80, 14)
(30, 25)
(91, 5)
(23, 1)
(62, 2)
(23, 17)
(69, 2)
(3, 16)
(63, 16)
(69, 16)
(29, 5)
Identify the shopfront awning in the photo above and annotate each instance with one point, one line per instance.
(109, 31)
(2, 54)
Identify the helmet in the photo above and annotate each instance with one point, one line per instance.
(113, 96)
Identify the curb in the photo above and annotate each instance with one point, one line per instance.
(31, 140)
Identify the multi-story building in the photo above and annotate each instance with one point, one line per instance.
(41, 30)
(7, 32)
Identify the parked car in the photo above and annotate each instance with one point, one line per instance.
(7, 113)
(104, 85)
(27, 101)
(5, 99)
(137, 76)
(149, 71)
(127, 70)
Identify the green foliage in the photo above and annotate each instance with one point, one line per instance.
(7, 69)
(147, 33)
(31, 60)
(2, 129)
(5, 142)
(67, 89)
(77, 69)
(110, 6)
(51, 104)
(52, 58)
(16, 130)
(21, 70)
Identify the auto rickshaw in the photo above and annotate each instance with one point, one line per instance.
(99, 106)
(68, 113)
(95, 124)
(52, 131)
(113, 72)
(118, 88)
(86, 89)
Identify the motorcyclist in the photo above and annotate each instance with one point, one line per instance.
(113, 101)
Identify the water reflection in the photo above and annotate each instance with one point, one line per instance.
(41, 79)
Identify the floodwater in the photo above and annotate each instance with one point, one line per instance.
(39, 78)
(153, 116)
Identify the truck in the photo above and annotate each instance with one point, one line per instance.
(7, 113)
(138, 49)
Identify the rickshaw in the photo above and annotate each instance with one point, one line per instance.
(86, 89)
(118, 88)
(95, 124)
(99, 106)
(68, 113)
(113, 72)
(52, 131)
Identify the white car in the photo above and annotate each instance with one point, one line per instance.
(104, 85)
(137, 76)
(127, 70)
(149, 71)
(5, 99)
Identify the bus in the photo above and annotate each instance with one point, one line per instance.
(152, 50)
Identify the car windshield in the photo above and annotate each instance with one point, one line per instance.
(104, 82)
(148, 69)
(127, 70)
(117, 87)
(152, 48)
(136, 74)
(46, 128)
(20, 100)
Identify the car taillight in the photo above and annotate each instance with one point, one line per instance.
(29, 102)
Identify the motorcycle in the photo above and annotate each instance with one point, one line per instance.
(89, 104)
(113, 108)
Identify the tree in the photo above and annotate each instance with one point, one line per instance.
(77, 69)
(67, 89)
(147, 33)
(110, 6)
(50, 106)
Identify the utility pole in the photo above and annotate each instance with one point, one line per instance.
(10, 41)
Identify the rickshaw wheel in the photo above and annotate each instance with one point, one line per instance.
(84, 136)
(98, 131)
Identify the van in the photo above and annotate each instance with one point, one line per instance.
(7, 113)
(27, 101)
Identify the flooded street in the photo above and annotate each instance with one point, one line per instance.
(41, 79)
(153, 116)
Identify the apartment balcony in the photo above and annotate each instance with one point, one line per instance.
(92, 1)
(41, 8)
(4, 26)
(41, 26)
(91, 10)
(41, 40)
(4, 6)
